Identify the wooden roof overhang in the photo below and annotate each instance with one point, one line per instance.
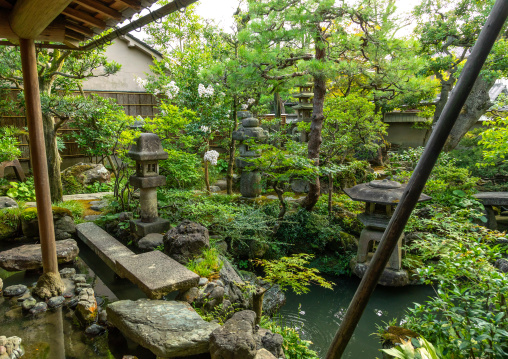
(69, 24)
(72, 24)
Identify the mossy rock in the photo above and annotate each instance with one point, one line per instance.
(345, 242)
(62, 218)
(70, 183)
(7, 232)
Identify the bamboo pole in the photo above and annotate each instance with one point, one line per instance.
(419, 178)
(38, 154)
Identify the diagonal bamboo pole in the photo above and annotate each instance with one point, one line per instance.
(38, 154)
(415, 186)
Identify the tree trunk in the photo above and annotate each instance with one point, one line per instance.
(52, 158)
(316, 126)
(475, 107)
(446, 87)
(330, 193)
(257, 303)
(232, 149)
(277, 104)
(207, 180)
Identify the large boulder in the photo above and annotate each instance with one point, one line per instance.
(186, 241)
(239, 338)
(76, 177)
(168, 329)
(28, 257)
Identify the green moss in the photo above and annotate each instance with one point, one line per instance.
(6, 231)
(210, 265)
(77, 208)
(61, 212)
(29, 214)
(70, 183)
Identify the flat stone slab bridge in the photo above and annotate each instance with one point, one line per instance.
(154, 273)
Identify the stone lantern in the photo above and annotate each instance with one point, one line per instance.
(305, 106)
(250, 181)
(380, 197)
(147, 152)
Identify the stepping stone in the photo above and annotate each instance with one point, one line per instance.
(15, 290)
(29, 257)
(104, 245)
(151, 241)
(168, 329)
(156, 274)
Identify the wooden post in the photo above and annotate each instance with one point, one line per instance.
(413, 190)
(38, 154)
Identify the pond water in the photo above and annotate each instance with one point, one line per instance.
(55, 334)
(319, 313)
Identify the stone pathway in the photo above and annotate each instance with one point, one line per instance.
(153, 272)
(81, 196)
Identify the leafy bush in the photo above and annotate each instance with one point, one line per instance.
(467, 318)
(9, 144)
(182, 170)
(22, 191)
(294, 347)
(208, 265)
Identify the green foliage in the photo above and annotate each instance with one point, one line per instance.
(208, 265)
(75, 207)
(467, 317)
(291, 272)
(336, 264)
(218, 313)
(182, 170)
(447, 184)
(11, 216)
(494, 142)
(416, 348)
(294, 347)
(301, 225)
(9, 144)
(351, 125)
(22, 191)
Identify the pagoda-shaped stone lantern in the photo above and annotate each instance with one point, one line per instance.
(305, 106)
(147, 152)
(380, 197)
(250, 181)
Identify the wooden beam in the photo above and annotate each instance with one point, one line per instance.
(81, 29)
(5, 4)
(84, 17)
(100, 8)
(74, 35)
(133, 4)
(55, 32)
(38, 154)
(29, 18)
(72, 43)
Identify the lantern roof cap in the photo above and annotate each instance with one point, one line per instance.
(385, 192)
(147, 147)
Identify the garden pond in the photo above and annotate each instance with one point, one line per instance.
(317, 315)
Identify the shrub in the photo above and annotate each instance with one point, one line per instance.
(208, 265)
(294, 347)
(22, 191)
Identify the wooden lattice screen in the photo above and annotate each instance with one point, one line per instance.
(134, 104)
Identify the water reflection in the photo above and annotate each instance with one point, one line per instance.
(325, 309)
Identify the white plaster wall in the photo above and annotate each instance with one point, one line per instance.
(135, 63)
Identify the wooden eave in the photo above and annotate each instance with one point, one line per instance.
(70, 22)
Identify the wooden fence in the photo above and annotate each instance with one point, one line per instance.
(134, 104)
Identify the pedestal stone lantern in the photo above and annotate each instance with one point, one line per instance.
(147, 152)
(250, 181)
(304, 107)
(380, 197)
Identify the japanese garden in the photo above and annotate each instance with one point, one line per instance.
(301, 179)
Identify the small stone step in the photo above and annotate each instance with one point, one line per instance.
(156, 274)
(104, 245)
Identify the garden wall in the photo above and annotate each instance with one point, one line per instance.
(134, 104)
